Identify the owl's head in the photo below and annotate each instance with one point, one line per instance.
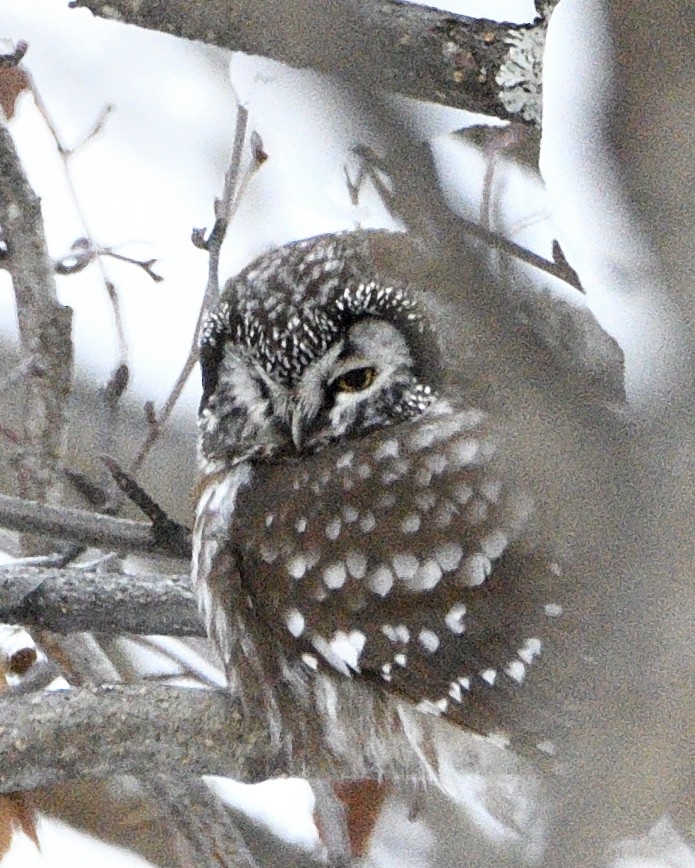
(307, 347)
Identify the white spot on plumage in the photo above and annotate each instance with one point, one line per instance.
(448, 556)
(427, 576)
(397, 470)
(493, 544)
(462, 493)
(367, 522)
(269, 519)
(489, 675)
(335, 575)
(357, 564)
(400, 659)
(333, 528)
(436, 462)
(444, 428)
(296, 566)
(364, 471)
(553, 610)
(411, 523)
(402, 633)
(428, 639)
(300, 525)
(312, 557)
(381, 580)
(423, 477)
(530, 650)
(390, 632)
(405, 566)
(476, 569)
(454, 619)
(269, 552)
(516, 671)
(476, 511)
(491, 490)
(310, 661)
(386, 671)
(444, 514)
(425, 437)
(345, 648)
(333, 656)
(463, 452)
(295, 622)
(455, 691)
(429, 707)
(345, 460)
(425, 500)
(386, 501)
(388, 449)
(465, 682)
(350, 514)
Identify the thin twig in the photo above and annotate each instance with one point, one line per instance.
(65, 155)
(89, 528)
(372, 167)
(176, 536)
(83, 252)
(499, 242)
(226, 207)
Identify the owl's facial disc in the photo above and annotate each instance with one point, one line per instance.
(351, 388)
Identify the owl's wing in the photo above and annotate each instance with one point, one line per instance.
(400, 557)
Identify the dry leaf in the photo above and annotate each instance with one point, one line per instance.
(16, 812)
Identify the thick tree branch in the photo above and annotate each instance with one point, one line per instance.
(44, 328)
(469, 63)
(70, 600)
(49, 738)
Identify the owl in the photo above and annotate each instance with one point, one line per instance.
(353, 524)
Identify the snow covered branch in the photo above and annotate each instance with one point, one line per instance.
(429, 54)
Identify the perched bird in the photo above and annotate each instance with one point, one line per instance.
(353, 525)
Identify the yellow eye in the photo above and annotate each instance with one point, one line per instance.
(356, 380)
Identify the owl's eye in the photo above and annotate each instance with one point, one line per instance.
(355, 380)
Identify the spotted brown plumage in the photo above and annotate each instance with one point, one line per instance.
(354, 522)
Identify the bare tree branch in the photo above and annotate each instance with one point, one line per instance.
(469, 63)
(90, 528)
(44, 328)
(84, 252)
(207, 827)
(72, 599)
(235, 184)
(146, 729)
(65, 153)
